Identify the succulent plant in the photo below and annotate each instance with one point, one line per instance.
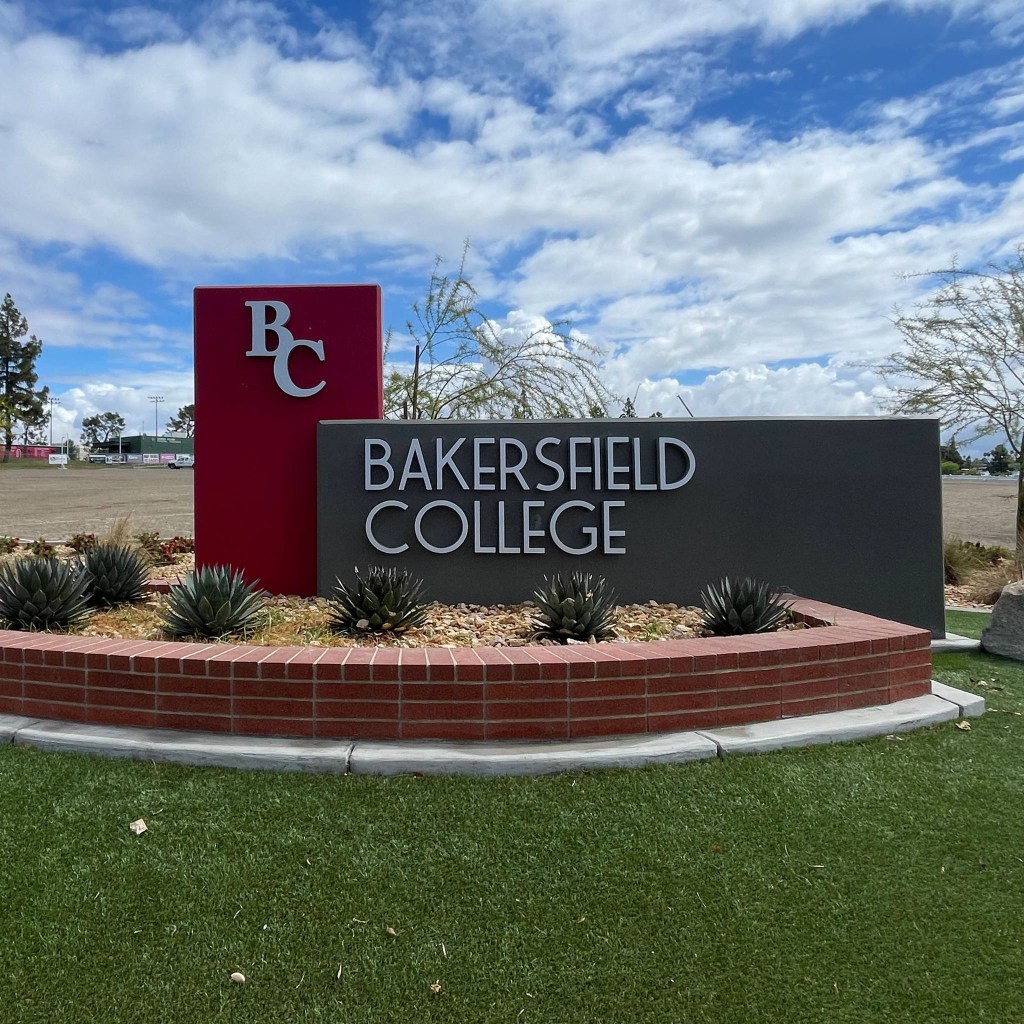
(212, 602)
(746, 606)
(385, 600)
(576, 607)
(42, 593)
(116, 574)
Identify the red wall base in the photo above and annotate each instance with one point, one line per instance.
(483, 693)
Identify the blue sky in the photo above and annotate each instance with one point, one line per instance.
(723, 194)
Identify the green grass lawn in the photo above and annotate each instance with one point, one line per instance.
(881, 881)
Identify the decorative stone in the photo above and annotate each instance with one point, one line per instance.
(1004, 635)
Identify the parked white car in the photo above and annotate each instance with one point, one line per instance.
(182, 462)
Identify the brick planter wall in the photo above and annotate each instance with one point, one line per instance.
(482, 693)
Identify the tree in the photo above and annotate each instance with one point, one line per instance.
(963, 358)
(102, 427)
(948, 453)
(184, 422)
(32, 427)
(999, 461)
(19, 400)
(467, 366)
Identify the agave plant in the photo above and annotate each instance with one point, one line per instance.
(576, 607)
(747, 606)
(212, 602)
(115, 574)
(42, 593)
(386, 600)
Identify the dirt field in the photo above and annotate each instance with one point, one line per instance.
(979, 510)
(54, 503)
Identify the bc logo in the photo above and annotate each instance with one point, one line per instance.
(286, 344)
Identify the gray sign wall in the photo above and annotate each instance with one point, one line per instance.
(843, 510)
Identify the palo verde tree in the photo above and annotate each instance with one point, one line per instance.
(464, 365)
(184, 422)
(102, 427)
(20, 402)
(963, 358)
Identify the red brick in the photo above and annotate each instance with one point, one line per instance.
(525, 666)
(296, 689)
(555, 729)
(812, 706)
(496, 666)
(354, 729)
(899, 676)
(272, 727)
(302, 665)
(193, 684)
(675, 702)
(52, 674)
(441, 665)
(746, 715)
(626, 726)
(349, 690)
(357, 665)
(904, 691)
(330, 666)
(54, 709)
(809, 670)
(219, 663)
(621, 707)
(699, 682)
(275, 664)
(193, 722)
(385, 667)
(527, 709)
(584, 688)
(137, 717)
(457, 693)
(758, 695)
(863, 681)
(120, 698)
(540, 690)
(357, 709)
(190, 703)
(808, 690)
(551, 665)
(682, 721)
(863, 699)
(468, 666)
(911, 659)
(443, 731)
(413, 664)
(51, 691)
(268, 707)
(442, 711)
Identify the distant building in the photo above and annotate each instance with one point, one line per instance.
(144, 448)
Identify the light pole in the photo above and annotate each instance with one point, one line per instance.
(53, 401)
(156, 400)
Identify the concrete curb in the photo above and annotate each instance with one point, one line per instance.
(343, 757)
(954, 642)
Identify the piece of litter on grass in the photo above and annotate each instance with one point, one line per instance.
(893, 737)
(238, 976)
(390, 930)
(445, 951)
(963, 725)
(436, 987)
(341, 968)
(139, 826)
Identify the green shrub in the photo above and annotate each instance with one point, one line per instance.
(82, 542)
(386, 600)
(576, 607)
(8, 545)
(42, 593)
(211, 602)
(41, 547)
(149, 541)
(950, 468)
(116, 574)
(746, 606)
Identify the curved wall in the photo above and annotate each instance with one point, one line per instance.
(481, 693)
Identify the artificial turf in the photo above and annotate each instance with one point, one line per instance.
(881, 881)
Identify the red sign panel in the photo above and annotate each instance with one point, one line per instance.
(270, 363)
